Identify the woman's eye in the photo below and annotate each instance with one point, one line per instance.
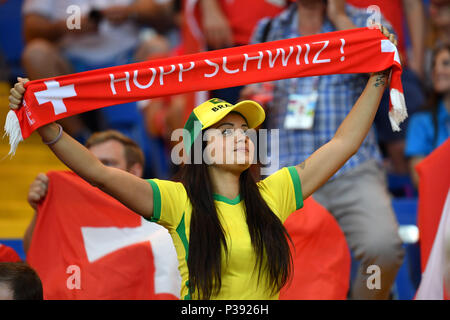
(227, 132)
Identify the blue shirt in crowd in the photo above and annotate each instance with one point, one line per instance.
(421, 135)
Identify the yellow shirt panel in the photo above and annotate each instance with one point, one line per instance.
(282, 192)
(172, 209)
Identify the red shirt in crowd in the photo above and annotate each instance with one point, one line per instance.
(243, 16)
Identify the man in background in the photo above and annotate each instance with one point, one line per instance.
(18, 281)
(112, 148)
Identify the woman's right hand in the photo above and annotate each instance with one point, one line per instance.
(16, 93)
(47, 132)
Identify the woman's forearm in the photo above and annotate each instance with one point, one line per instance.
(358, 122)
(130, 190)
(74, 155)
(326, 161)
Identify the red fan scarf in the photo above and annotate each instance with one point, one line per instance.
(359, 50)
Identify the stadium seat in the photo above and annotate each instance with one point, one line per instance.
(408, 277)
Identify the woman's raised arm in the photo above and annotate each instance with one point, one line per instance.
(133, 192)
(326, 161)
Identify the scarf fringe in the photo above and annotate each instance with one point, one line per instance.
(398, 112)
(12, 130)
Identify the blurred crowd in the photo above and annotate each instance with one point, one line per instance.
(62, 37)
(68, 36)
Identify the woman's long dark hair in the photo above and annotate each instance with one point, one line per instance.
(207, 237)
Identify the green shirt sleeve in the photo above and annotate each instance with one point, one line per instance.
(169, 201)
(282, 191)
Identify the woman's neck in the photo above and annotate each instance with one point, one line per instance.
(310, 18)
(225, 183)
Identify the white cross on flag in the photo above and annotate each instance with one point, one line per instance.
(55, 94)
(87, 245)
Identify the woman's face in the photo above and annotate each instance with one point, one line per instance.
(229, 145)
(441, 72)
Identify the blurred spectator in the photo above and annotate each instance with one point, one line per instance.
(440, 18)
(18, 281)
(401, 14)
(112, 148)
(84, 33)
(231, 23)
(209, 25)
(73, 36)
(357, 194)
(438, 33)
(65, 36)
(162, 115)
(430, 128)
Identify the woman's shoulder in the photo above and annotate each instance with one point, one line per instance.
(168, 186)
(274, 177)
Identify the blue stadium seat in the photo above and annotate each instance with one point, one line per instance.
(401, 185)
(408, 277)
(16, 244)
(11, 36)
(406, 210)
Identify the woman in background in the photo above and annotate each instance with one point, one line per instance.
(429, 129)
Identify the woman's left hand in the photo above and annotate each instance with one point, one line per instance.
(381, 78)
(387, 34)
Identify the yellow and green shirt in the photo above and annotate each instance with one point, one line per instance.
(172, 209)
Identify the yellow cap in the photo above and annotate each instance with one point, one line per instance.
(214, 110)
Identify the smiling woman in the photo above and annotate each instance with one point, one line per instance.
(226, 227)
(429, 129)
(228, 143)
(227, 220)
